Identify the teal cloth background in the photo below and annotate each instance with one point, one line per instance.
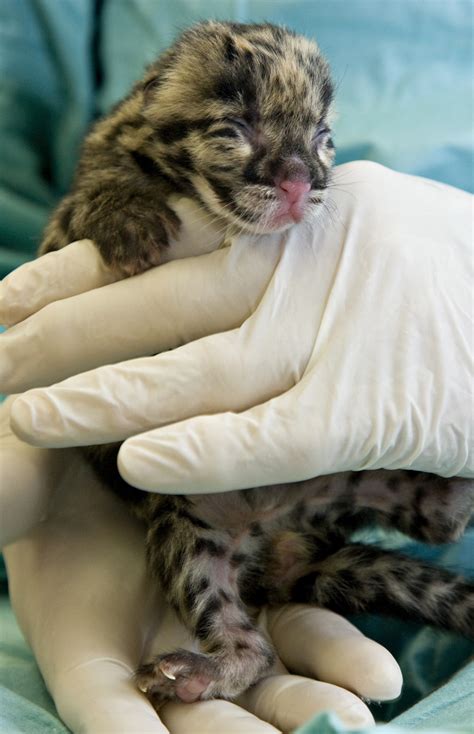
(403, 70)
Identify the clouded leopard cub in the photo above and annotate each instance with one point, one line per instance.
(235, 117)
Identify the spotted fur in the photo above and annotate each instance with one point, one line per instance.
(218, 558)
(222, 117)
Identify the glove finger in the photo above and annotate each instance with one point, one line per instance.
(326, 646)
(116, 401)
(213, 717)
(288, 701)
(52, 277)
(152, 312)
(101, 696)
(217, 453)
(27, 478)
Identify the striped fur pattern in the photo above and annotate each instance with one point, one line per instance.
(221, 117)
(221, 557)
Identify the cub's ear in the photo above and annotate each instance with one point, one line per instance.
(235, 47)
(230, 50)
(156, 74)
(150, 86)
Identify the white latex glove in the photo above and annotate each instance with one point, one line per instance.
(79, 589)
(342, 346)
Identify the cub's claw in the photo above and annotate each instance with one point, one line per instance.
(178, 676)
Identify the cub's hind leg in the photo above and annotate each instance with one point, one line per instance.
(364, 578)
(198, 568)
(425, 506)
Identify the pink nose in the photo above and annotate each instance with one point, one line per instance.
(294, 190)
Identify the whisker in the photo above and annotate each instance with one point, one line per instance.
(207, 225)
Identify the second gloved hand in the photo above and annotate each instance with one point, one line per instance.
(86, 605)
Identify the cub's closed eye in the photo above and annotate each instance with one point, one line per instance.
(239, 123)
(232, 127)
(321, 134)
(223, 132)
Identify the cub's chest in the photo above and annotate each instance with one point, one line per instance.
(237, 512)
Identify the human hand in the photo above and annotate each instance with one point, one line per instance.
(82, 597)
(312, 351)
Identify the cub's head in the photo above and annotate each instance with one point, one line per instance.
(239, 115)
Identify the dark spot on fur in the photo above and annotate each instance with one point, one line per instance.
(247, 627)
(223, 169)
(255, 529)
(420, 492)
(226, 89)
(166, 505)
(270, 656)
(249, 59)
(146, 164)
(251, 172)
(397, 516)
(179, 557)
(238, 559)
(206, 619)
(303, 589)
(196, 521)
(254, 595)
(173, 131)
(355, 478)
(164, 531)
(393, 483)
(317, 518)
(230, 50)
(202, 585)
(205, 545)
(322, 552)
(165, 573)
(398, 573)
(223, 191)
(298, 512)
(348, 578)
(182, 159)
(245, 214)
(239, 645)
(426, 577)
(268, 46)
(345, 519)
(189, 596)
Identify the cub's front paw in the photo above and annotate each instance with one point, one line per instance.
(132, 240)
(178, 676)
(135, 248)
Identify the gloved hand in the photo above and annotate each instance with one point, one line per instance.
(80, 592)
(341, 346)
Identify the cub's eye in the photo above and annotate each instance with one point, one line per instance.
(321, 135)
(230, 127)
(240, 124)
